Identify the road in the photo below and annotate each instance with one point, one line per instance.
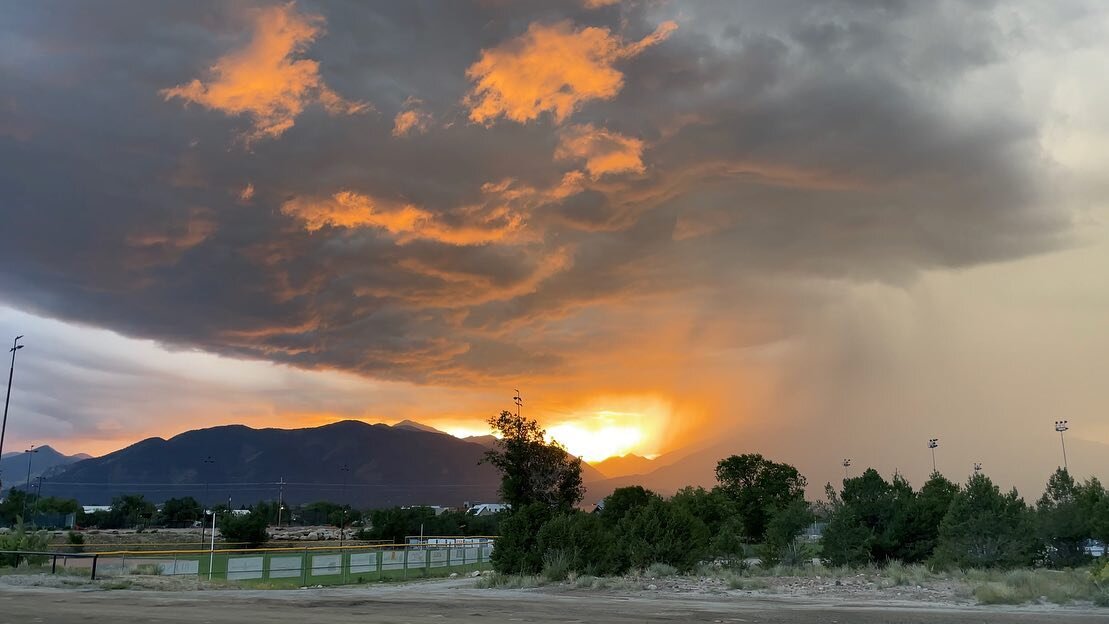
(440, 602)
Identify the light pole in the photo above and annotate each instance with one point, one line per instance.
(11, 372)
(1061, 426)
(846, 465)
(932, 444)
(27, 489)
(977, 467)
(345, 469)
(203, 510)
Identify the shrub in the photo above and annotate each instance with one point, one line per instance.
(584, 540)
(76, 541)
(248, 529)
(20, 539)
(660, 570)
(664, 533)
(556, 565)
(517, 550)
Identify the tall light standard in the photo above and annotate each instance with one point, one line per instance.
(345, 469)
(27, 489)
(203, 513)
(11, 372)
(846, 465)
(1061, 426)
(977, 467)
(932, 444)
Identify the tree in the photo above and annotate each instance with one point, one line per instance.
(785, 525)
(847, 541)
(517, 550)
(661, 532)
(917, 524)
(584, 541)
(717, 512)
(248, 528)
(130, 510)
(1060, 521)
(181, 511)
(985, 528)
(624, 500)
(758, 486)
(532, 469)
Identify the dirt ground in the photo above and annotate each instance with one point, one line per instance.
(459, 600)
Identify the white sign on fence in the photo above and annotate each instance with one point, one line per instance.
(327, 565)
(392, 559)
(439, 558)
(285, 567)
(182, 566)
(415, 558)
(239, 568)
(363, 562)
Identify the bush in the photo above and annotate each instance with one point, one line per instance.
(247, 529)
(664, 533)
(556, 565)
(76, 541)
(985, 528)
(518, 550)
(20, 539)
(584, 540)
(660, 570)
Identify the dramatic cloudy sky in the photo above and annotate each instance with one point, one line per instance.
(817, 229)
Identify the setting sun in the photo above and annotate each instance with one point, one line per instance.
(595, 442)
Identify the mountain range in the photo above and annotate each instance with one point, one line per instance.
(366, 465)
(44, 461)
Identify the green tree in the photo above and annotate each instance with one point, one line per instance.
(624, 500)
(1067, 516)
(517, 550)
(131, 510)
(532, 469)
(847, 540)
(757, 487)
(584, 540)
(985, 528)
(717, 512)
(661, 532)
(248, 528)
(782, 531)
(917, 523)
(181, 511)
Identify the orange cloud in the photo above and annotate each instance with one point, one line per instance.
(551, 68)
(263, 80)
(603, 151)
(412, 119)
(596, 4)
(346, 209)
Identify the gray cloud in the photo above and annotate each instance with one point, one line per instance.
(785, 141)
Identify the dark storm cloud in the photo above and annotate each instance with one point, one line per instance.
(781, 141)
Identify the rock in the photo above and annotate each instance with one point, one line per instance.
(652, 587)
(313, 536)
(475, 574)
(454, 575)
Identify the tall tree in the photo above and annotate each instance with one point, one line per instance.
(758, 487)
(532, 469)
(985, 528)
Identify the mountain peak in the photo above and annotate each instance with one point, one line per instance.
(415, 426)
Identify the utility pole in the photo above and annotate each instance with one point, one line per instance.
(4, 427)
(1061, 426)
(207, 461)
(932, 444)
(518, 401)
(345, 469)
(280, 499)
(27, 488)
(846, 465)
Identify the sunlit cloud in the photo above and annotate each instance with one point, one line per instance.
(519, 81)
(412, 120)
(603, 151)
(265, 80)
(347, 209)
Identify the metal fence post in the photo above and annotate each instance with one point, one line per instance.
(94, 560)
(406, 562)
(304, 568)
(54, 565)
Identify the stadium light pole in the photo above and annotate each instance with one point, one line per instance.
(846, 465)
(932, 444)
(1061, 426)
(4, 427)
(977, 467)
(345, 469)
(27, 488)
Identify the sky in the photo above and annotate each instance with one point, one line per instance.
(816, 230)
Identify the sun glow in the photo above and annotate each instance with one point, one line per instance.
(601, 437)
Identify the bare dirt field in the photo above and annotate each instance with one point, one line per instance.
(459, 600)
